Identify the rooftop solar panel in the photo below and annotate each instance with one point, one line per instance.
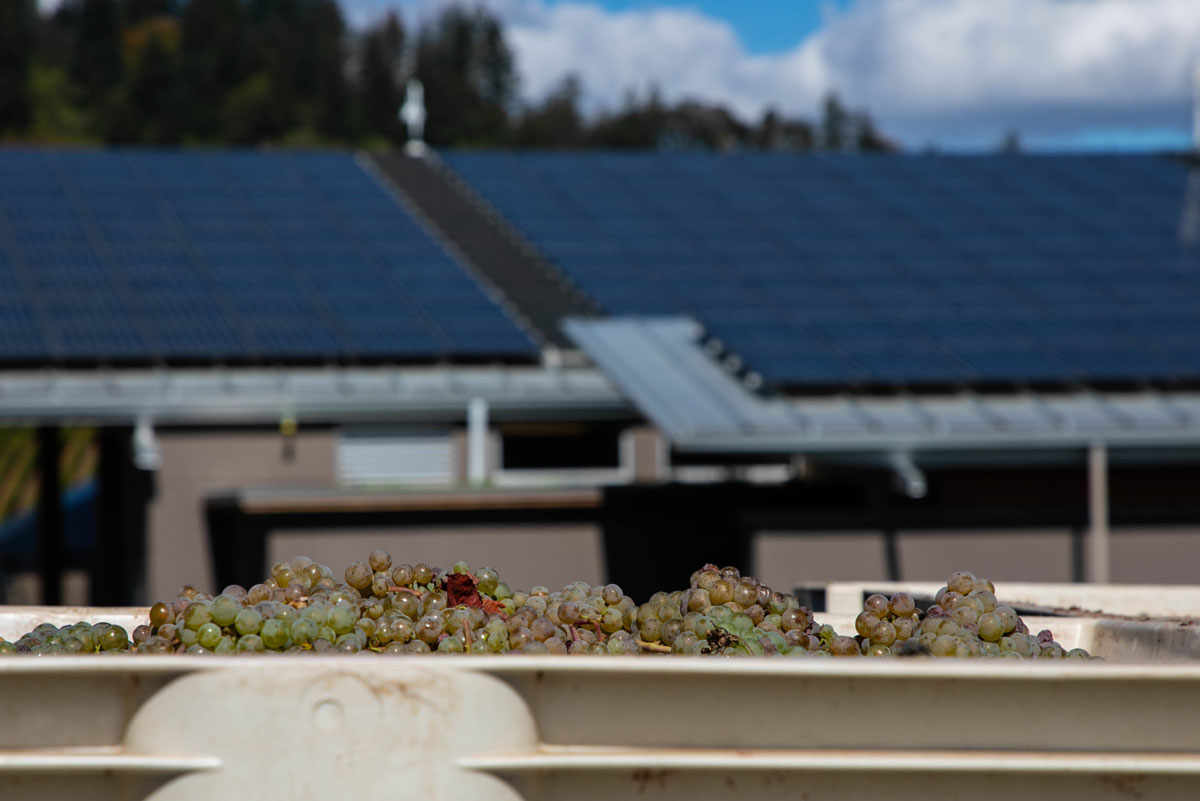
(156, 255)
(1055, 249)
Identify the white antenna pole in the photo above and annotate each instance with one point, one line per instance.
(1196, 107)
(413, 114)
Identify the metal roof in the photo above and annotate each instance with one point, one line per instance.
(701, 406)
(332, 395)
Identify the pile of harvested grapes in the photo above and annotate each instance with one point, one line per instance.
(418, 609)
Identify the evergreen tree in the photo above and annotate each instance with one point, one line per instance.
(467, 70)
(836, 125)
(556, 122)
(135, 11)
(379, 81)
(17, 20)
(154, 103)
(212, 45)
(96, 67)
(330, 97)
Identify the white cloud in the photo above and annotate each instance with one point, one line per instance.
(959, 71)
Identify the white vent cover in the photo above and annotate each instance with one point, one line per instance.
(395, 456)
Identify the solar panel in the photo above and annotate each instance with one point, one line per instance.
(844, 251)
(147, 255)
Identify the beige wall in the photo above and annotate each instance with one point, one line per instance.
(197, 463)
(782, 560)
(525, 556)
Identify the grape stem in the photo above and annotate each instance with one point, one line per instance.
(657, 648)
(596, 628)
(405, 589)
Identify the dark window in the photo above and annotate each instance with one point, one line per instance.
(554, 447)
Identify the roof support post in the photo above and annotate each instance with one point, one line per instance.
(477, 432)
(50, 548)
(1098, 548)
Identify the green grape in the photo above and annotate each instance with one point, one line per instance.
(304, 631)
(487, 580)
(342, 618)
(187, 637)
(225, 646)
(1008, 616)
(745, 593)
(358, 575)
(843, 646)
(429, 628)
(962, 582)
(611, 621)
(422, 573)
(670, 630)
(433, 602)
(721, 592)
(224, 609)
(902, 605)
(248, 621)
(877, 605)
(209, 635)
(944, 646)
(450, 645)
(991, 627)
(651, 630)
(402, 575)
(114, 639)
(379, 561)
(161, 614)
(987, 599)
(196, 615)
(865, 621)
(274, 634)
(883, 633)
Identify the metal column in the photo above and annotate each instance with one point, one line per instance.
(1098, 548)
(477, 432)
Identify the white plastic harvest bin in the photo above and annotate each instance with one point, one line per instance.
(1135, 600)
(428, 728)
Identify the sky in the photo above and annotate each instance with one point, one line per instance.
(951, 74)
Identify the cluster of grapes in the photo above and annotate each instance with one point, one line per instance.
(379, 607)
(724, 612)
(965, 621)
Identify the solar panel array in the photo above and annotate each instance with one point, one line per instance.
(847, 270)
(152, 256)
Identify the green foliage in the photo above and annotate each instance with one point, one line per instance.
(17, 19)
(379, 73)
(467, 70)
(253, 72)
